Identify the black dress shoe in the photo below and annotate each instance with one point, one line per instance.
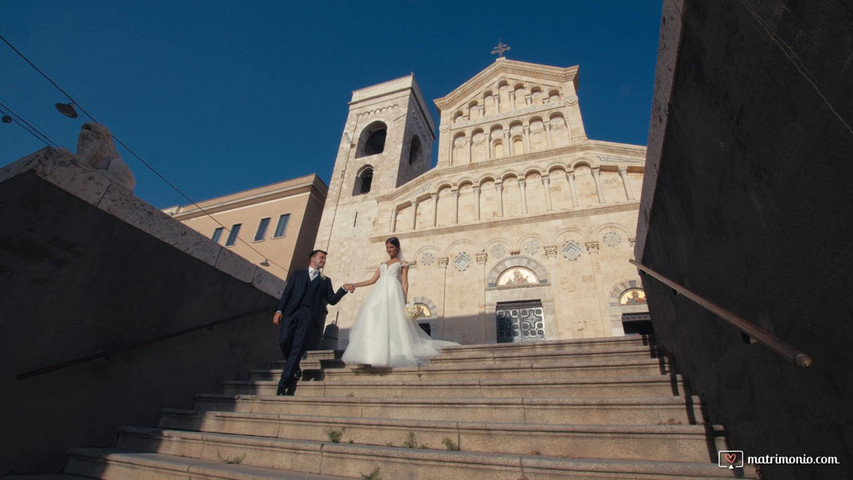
(286, 390)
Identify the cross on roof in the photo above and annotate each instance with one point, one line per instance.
(500, 48)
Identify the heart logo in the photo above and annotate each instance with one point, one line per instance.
(731, 458)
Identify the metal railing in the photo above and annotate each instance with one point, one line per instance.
(799, 358)
(131, 346)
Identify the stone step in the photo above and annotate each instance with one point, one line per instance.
(558, 369)
(117, 464)
(491, 354)
(642, 386)
(601, 411)
(352, 460)
(687, 443)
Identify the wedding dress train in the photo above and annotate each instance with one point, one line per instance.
(381, 335)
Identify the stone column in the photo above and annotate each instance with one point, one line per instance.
(527, 138)
(476, 202)
(548, 132)
(434, 208)
(469, 149)
(508, 143)
(394, 220)
(521, 188)
(623, 172)
(414, 214)
(512, 99)
(570, 176)
(596, 174)
(499, 188)
(455, 206)
(546, 180)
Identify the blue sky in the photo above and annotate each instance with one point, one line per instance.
(224, 96)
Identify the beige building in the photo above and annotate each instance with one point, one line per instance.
(274, 226)
(521, 232)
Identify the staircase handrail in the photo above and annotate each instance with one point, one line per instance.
(130, 346)
(798, 357)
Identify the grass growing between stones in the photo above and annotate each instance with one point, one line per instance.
(335, 434)
(412, 442)
(449, 445)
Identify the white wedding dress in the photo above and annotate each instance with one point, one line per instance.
(381, 335)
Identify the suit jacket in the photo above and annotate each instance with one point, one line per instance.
(294, 293)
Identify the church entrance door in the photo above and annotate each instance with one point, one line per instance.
(520, 321)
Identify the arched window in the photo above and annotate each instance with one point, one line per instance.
(415, 150)
(363, 181)
(517, 276)
(373, 139)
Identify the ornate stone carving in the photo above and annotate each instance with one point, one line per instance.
(378, 110)
(612, 239)
(572, 250)
(532, 248)
(427, 259)
(551, 251)
(592, 247)
(481, 258)
(442, 262)
(573, 100)
(462, 261)
(95, 148)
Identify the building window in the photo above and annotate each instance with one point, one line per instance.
(415, 150)
(282, 225)
(372, 139)
(217, 234)
(262, 229)
(363, 181)
(232, 237)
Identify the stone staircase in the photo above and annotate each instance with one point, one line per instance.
(597, 408)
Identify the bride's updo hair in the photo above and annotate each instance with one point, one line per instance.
(396, 242)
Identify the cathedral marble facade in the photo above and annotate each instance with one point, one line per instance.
(523, 229)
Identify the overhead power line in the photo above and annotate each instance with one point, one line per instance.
(129, 150)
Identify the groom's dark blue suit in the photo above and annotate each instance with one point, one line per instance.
(303, 306)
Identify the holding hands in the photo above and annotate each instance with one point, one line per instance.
(349, 287)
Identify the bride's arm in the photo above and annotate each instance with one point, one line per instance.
(404, 280)
(367, 282)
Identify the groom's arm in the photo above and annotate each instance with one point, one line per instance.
(332, 296)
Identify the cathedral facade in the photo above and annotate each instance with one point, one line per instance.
(521, 232)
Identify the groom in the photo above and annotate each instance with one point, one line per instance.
(301, 315)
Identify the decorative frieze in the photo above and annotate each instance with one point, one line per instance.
(551, 251)
(612, 239)
(427, 259)
(592, 247)
(572, 250)
(481, 258)
(462, 261)
(532, 248)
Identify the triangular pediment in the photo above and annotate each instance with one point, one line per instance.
(510, 71)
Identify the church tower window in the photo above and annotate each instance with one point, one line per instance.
(373, 139)
(363, 181)
(415, 151)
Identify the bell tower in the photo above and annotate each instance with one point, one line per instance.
(387, 141)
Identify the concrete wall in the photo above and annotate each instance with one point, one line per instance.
(85, 266)
(747, 203)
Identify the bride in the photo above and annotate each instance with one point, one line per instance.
(381, 335)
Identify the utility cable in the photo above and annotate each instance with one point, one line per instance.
(174, 187)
